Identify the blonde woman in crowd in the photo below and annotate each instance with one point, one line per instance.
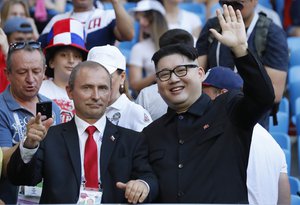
(150, 15)
(18, 8)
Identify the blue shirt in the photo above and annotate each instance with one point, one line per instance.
(13, 120)
(275, 54)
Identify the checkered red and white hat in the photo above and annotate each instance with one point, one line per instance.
(67, 32)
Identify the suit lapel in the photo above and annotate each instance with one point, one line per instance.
(72, 143)
(109, 141)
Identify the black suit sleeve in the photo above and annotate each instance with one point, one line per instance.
(20, 173)
(258, 92)
(142, 169)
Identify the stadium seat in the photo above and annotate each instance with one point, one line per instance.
(293, 43)
(284, 106)
(294, 58)
(295, 200)
(283, 123)
(283, 140)
(295, 185)
(294, 90)
(294, 74)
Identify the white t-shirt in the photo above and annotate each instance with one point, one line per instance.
(187, 21)
(150, 99)
(128, 114)
(141, 54)
(266, 162)
(60, 97)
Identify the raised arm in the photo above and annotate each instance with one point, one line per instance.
(258, 90)
(124, 30)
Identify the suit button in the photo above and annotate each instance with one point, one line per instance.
(181, 141)
(180, 117)
(180, 194)
(180, 166)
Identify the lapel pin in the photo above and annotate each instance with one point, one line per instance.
(112, 138)
(206, 126)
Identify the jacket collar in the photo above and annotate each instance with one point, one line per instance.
(198, 108)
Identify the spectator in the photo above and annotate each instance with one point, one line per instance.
(265, 39)
(102, 27)
(53, 6)
(16, 29)
(214, 4)
(25, 71)
(199, 149)
(150, 15)
(149, 98)
(19, 8)
(294, 29)
(126, 175)
(267, 178)
(179, 18)
(64, 52)
(121, 110)
(3, 53)
(262, 182)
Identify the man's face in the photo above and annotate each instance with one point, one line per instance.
(180, 92)
(91, 93)
(245, 6)
(26, 74)
(211, 91)
(82, 4)
(19, 37)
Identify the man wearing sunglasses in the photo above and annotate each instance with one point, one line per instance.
(264, 38)
(199, 149)
(15, 29)
(25, 71)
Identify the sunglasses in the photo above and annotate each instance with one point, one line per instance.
(23, 44)
(235, 4)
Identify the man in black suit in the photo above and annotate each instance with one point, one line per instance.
(58, 157)
(199, 149)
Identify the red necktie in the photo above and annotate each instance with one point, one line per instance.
(91, 159)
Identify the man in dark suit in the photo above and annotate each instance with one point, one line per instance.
(59, 159)
(199, 149)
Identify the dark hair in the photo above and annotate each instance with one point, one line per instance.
(27, 48)
(86, 65)
(182, 49)
(174, 36)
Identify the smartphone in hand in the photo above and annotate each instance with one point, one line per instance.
(45, 108)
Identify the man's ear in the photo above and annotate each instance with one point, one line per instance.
(224, 90)
(201, 73)
(69, 92)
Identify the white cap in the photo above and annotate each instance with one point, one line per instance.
(146, 5)
(108, 56)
